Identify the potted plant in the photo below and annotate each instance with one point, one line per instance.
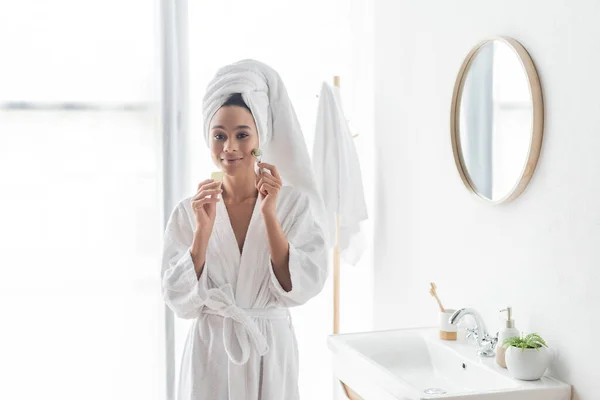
(527, 357)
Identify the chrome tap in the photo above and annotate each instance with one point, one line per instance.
(485, 342)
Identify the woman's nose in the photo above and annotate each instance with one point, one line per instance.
(230, 146)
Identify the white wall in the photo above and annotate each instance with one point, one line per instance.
(539, 254)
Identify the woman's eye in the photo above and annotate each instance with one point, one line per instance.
(242, 135)
(219, 136)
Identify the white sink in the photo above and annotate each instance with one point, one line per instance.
(415, 364)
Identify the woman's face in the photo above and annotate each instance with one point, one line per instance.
(233, 136)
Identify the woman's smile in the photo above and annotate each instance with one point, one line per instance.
(231, 161)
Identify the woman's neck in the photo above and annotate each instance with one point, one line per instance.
(239, 188)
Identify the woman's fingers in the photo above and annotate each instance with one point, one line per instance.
(263, 183)
(260, 187)
(267, 189)
(205, 193)
(271, 178)
(197, 204)
(271, 168)
(267, 178)
(208, 185)
(204, 182)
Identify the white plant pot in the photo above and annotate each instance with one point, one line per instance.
(528, 364)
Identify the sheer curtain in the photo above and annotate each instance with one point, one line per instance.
(81, 203)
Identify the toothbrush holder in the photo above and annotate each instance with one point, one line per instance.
(447, 330)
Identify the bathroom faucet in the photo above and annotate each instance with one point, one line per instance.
(485, 342)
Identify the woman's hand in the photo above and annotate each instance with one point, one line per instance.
(204, 204)
(268, 185)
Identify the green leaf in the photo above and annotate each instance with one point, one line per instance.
(531, 341)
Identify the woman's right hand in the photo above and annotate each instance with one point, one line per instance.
(204, 204)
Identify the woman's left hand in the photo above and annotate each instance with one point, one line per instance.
(268, 185)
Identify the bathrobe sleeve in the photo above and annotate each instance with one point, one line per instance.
(307, 258)
(182, 291)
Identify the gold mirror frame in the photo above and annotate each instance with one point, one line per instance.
(537, 125)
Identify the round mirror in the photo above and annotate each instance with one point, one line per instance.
(497, 120)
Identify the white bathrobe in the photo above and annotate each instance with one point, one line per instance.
(241, 345)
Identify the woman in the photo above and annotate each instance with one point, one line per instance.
(237, 254)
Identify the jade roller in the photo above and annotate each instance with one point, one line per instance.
(258, 154)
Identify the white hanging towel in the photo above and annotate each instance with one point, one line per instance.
(337, 170)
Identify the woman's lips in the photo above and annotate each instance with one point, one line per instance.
(231, 161)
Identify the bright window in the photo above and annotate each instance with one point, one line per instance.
(81, 199)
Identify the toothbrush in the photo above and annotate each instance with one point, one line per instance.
(433, 292)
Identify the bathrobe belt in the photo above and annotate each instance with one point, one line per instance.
(240, 331)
